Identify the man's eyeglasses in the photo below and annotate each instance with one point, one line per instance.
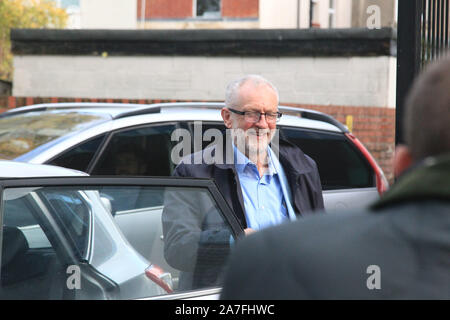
(254, 116)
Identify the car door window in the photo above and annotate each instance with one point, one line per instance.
(26, 131)
(31, 264)
(79, 157)
(340, 165)
(138, 151)
(169, 236)
(187, 235)
(72, 211)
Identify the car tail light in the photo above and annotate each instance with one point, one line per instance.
(382, 183)
(158, 276)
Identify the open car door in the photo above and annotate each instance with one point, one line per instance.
(113, 238)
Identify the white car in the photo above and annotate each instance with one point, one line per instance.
(90, 137)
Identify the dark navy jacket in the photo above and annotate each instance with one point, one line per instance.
(196, 240)
(301, 173)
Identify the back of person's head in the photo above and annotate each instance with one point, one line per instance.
(427, 112)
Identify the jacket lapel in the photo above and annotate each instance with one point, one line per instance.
(300, 185)
(228, 181)
(297, 176)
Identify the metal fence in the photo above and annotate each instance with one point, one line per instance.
(422, 36)
(434, 29)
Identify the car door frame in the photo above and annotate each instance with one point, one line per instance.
(104, 145)
(64, 249)
(85, 181)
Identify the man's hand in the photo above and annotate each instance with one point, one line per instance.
(249, 231)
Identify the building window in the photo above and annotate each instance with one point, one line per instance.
(332, 14)
(207, 8)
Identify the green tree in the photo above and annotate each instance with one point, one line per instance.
(25, 14)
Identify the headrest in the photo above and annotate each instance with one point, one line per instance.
(14, 244)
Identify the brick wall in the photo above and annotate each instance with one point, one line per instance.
(373, 126)
(240, 8)
(173, 9)
(161, 9)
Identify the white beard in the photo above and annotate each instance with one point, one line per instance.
(253, 142)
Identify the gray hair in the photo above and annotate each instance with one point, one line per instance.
(426, 126)
(232, 90)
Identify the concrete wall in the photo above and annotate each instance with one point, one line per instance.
(108, 14)
(349, 81)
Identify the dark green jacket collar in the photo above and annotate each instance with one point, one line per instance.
(429, 180)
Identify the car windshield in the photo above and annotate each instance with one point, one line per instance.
(24, 132)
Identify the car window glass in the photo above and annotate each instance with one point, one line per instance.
(72, 211)
(146, 250)
(78, 158)
(340, 165)
(212, 127)
(30, 265)
(186, 240)
(47, 248)
(134, 197)
(24, 132)
(138, 151)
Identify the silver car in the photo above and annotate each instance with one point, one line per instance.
(138, 140)
(88, 137)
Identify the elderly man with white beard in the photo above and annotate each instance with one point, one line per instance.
(265, 182)
(251, 114)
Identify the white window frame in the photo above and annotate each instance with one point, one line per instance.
(332, 14)
(194, 12)
(315, 17)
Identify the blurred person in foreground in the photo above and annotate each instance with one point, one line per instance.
(399, 248)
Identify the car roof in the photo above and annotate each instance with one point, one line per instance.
(111, 109)
(15, 169)
(126, 110)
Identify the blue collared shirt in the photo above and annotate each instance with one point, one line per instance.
(264, 197)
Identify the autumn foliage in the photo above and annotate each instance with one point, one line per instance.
(25, 14)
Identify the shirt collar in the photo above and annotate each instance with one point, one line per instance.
(241, 161)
